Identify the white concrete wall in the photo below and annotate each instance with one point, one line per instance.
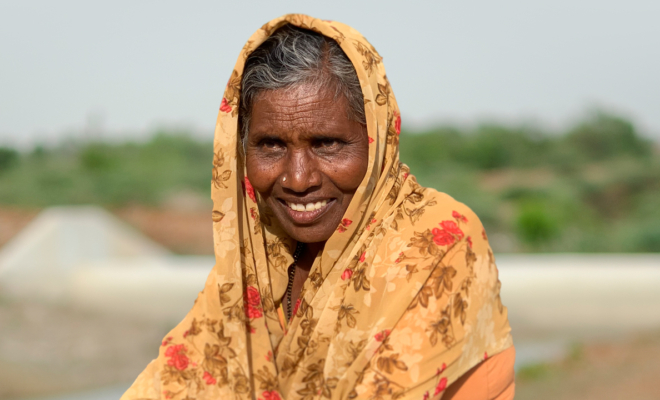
(581, 294)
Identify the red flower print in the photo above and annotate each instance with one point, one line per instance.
(441, 369)
(168, 394)
(252, 313)
(252, 300)
(295, 308)
(469, 240)
(210, 380)
(371, 140)
(253, 296)
(442, 237)
(451, 227)
(442, 385)
(271, 395)
(167, 341)
(347, 274)
(426, 396)
(224, 106)
(344, 223)
(253, 213)
(185, 334)
(397, 124)
(485, 355)
(380, 336)
(249, 190)
(459, 216)
(176, 356)
(363, 256)
(269, 356)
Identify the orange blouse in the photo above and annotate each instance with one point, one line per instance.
(492, 379)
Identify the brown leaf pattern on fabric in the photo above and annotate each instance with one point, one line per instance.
(370, 58)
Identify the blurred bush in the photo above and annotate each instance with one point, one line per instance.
(595, 187)
(536, 224)
(8, 158)
(109, 174)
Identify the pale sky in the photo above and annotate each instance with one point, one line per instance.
(126, 67)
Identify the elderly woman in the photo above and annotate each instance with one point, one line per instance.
(337, 275)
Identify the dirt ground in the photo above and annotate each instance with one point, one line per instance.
(12, 220)
(47, 349)
(182, 231)
(622, 369)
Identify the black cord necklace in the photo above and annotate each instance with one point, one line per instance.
(292, 274)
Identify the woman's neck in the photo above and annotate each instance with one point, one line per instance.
(309, 254)
(303, 265)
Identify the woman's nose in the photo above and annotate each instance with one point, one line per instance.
(300, 173)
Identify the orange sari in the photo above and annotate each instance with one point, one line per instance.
(402, 302)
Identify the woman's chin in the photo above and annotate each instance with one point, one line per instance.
(309, 237)
(316, 233)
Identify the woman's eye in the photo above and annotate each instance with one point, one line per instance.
(329, 143)
(271, 144)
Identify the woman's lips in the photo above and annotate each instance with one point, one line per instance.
(312, 210)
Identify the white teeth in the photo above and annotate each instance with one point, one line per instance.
(307, 207)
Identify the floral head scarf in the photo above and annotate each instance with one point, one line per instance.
(403, 300)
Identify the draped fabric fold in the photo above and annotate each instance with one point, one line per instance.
(403, 300)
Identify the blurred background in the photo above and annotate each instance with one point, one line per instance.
(541, 116)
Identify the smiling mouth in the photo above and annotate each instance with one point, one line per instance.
(306, 207)
(305, 213)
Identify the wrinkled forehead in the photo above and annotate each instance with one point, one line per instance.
(302, 113)
(301, 95)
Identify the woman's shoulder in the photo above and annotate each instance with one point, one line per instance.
(439, 213)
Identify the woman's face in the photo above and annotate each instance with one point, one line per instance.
(306, 158)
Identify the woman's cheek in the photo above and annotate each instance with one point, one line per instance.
(349, 172)
(262, 173)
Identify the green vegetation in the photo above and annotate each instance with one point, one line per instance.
(593, 188)
(108, 174)
(534, 372)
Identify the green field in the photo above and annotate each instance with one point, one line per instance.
(592, 188)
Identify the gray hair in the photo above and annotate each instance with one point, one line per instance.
(294, 56)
